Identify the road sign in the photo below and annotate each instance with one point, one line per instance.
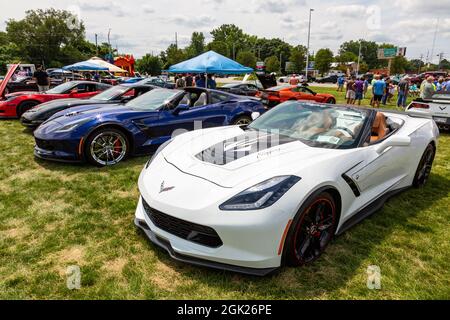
(390, 53)
(387, 53)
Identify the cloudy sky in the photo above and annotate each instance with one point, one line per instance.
(146, 26)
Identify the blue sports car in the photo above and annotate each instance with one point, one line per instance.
(107, 134)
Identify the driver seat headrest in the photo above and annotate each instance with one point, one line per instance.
(202, 100)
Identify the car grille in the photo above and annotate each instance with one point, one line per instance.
(46, 145)
(196, 233)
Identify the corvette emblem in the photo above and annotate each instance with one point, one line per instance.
(442, 108)
(164, 189)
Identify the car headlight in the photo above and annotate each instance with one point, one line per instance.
(72, 125)
(158, 151)
(262, 195)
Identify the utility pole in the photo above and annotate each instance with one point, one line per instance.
(109, 44)
(359, 57)
(96, 45)
(281, 65)
(434, 39)
(307, 49)
(176, 40)
(441, 56)
(420, 64)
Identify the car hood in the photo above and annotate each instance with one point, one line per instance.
(99, 111)
(22, 93)
(230, 156)
(8, 76)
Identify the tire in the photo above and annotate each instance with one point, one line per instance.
(242, 121)
(106, 147)
(331, 101)
(424, 168)
(25, 106)
(311, 230)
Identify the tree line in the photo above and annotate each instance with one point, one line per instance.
(56, 38)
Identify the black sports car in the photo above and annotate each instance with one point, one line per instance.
(241, 89)
(119, 94)
(328, 79)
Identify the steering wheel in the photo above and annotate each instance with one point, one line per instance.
(347, 130)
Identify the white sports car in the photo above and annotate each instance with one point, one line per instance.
(253, 198)
(438, 107)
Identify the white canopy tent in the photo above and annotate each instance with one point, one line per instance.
(103, 63)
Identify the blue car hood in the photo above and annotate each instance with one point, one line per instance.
(95, 111)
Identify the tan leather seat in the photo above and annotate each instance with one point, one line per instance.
(379, 128)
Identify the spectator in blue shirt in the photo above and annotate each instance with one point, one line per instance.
(341, 81)
(378, 89)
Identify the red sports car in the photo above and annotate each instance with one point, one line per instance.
(276, 95)
(15, 104)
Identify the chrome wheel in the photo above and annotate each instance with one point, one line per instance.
(108, 148)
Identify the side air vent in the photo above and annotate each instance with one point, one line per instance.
(352, 185)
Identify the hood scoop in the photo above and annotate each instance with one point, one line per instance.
(233, 149)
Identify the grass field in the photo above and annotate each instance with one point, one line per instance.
(56, 215)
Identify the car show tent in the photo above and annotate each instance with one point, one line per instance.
(86, 66)
(210, 63)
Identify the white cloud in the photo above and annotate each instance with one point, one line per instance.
(192, 21)
(277, 6)
(348, 11)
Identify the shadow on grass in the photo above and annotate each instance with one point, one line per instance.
(341, 262)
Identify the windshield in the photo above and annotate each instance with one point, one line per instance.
(112, 93)
(153, 100)
(62, 88)
(315, 125)
(278, 88)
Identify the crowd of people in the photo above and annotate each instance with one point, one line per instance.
(384, 90)
(199, 80)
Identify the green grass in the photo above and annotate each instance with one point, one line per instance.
(56, 215)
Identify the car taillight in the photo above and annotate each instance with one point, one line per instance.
(419, 105)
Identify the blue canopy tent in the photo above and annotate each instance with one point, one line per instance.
(210, 63)
(85, 66)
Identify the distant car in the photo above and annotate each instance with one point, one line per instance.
(26, 84)
(276, 95)
(438, 107)
(105, 135)
(156, 81)
(130, 80)
(328, 79)
(16, 104)
(118, 94)
(242, 89)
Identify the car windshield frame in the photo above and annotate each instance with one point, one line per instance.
(124, 90)
(68, 86)
(366, 117)
(153, 100)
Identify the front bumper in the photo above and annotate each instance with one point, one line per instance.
(30, 123)
(57, 150)
(251, 240)
(165, 244)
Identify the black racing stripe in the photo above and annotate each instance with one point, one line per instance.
(238, 147)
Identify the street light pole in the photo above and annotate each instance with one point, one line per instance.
(359, 57)
(307, 49)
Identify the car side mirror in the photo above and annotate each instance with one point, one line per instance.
(255, 115)
(180, 108)
(394, 141)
